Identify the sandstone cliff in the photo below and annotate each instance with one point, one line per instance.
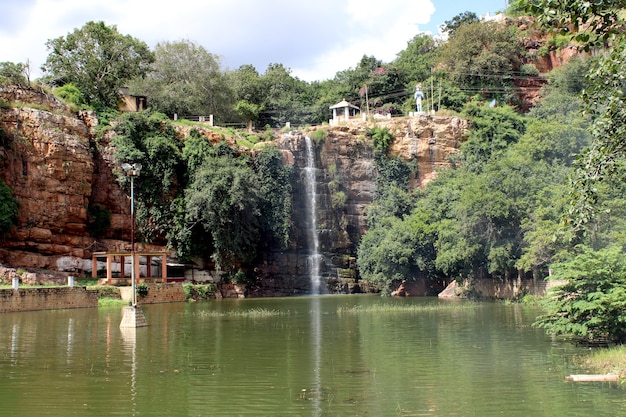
(51, 161)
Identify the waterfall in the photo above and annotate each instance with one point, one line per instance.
(314, 258)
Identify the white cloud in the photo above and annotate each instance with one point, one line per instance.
(314, 39)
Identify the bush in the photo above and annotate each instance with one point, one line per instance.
(142, 289)
(381, 138)
(318, 135)
(71, 95)
(529, 70)
(199, 291)
(591, 304)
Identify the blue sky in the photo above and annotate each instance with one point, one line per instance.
(313, 39)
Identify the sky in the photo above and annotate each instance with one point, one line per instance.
(314, 39)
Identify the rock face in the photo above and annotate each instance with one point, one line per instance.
(345, 177)
(49, 159)
(47, 163)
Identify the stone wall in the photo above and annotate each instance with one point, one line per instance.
(500, 289)
(53, 298)
(157, 293)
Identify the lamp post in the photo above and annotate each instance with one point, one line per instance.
(133, 316)
(132, 170)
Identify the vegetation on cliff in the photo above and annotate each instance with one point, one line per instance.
(204, 199)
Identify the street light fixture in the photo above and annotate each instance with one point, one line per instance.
(133, 316)
(132, 170)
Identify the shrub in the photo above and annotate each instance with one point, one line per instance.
(381, 138)
(71, 95)
(142, 289)
(318, 135)
(529, 70)
(199, 291)
(591, 304)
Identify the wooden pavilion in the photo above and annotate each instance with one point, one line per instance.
(112, 257)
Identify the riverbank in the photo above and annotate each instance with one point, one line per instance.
(611, 360)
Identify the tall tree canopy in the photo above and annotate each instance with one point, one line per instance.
(481, 58)
(187, 80)
(98, 60)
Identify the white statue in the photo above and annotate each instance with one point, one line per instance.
(419, 96)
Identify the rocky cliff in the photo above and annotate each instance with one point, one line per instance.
(49, 158)
(344, 162)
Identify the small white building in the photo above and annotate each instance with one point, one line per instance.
(343, 111)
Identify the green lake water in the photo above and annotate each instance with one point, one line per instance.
(305, 356)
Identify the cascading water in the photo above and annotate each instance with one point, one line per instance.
(314, 258)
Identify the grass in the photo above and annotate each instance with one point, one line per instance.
(610, 360)
(253, 313)
(397, 308)
(111, 302)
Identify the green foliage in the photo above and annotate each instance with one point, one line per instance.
(591, 24)
(400, 250)
(142, 289)
(13, 73)
(99, 220)
(98, 60)
(338, 200)
(453, 25)
(106, 291)
(481, 58)
(198, 292)
(248, 111)
(275, 187)
(493, 130)
(381, 139)
(529, 70)
(8, 208)
(591, 304)
(187, 80)
(416, 61)
(224, 198)
(70, 94)
(318, 135)
(148, 139)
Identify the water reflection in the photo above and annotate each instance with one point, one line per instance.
(70, 339)
(316, 336)
(14, 343)
(129, 342)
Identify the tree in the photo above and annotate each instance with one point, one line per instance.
(148, 139)
(275, 195)
(224, 198)
(416, 61)
(592, 303)
(187, 80)
(453, 25)
(12, 73)
(285, 98)
(248, 111)
(98, 60)
(481, 59)
(593, 25)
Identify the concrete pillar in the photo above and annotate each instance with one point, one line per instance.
(16, 283)
(109, 270)
(164, 268)
(70, 281)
